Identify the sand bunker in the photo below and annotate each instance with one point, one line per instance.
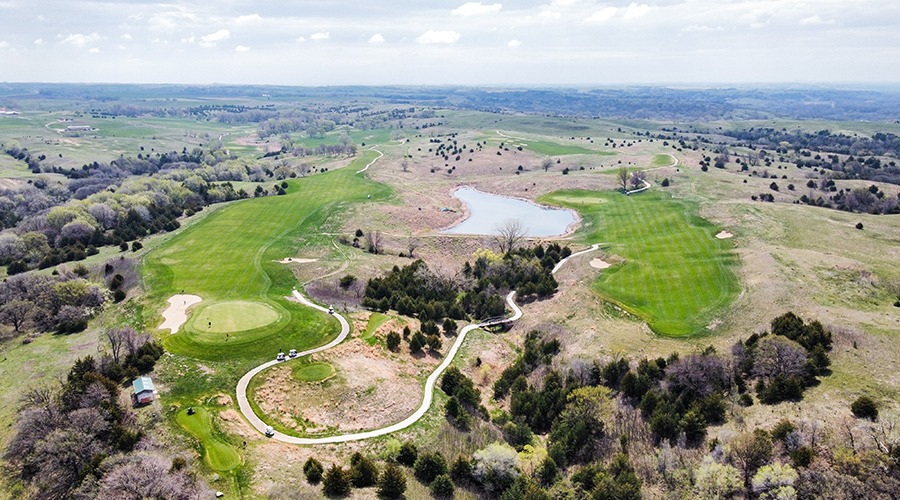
(295, 260)
(599, 264)
(724, 235)
(176, 314)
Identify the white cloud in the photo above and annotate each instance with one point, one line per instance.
(513, 43)
(190, 39)
(476, 9)
(602, 15)
(322, 35)
(4, 44)
(79, 40)
(94, 50)
(300, 39)
(438, 37)
(815, 20)
(248, 19)
(211, 39)
(549, 16)
(242, 48)
(40, 18)
(702, 28)
(39, 41)
(376, 38)
(125, 36)
(563, 3)
(635, 10)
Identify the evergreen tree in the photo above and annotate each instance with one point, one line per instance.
(313, 470)
(391, 482)
(336, 482)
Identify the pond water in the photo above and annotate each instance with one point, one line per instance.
(488, 211)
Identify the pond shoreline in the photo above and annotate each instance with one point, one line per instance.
(569, 229)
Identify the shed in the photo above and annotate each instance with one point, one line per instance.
(143, 390)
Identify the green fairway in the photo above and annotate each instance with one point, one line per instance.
(663, 160)
(313, 372)
(375, 322)
(234, 316)
(677, 276)
(218, 455)
(554, 149)
(231, 254)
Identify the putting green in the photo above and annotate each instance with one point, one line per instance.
(218, 455)
(677, 276)
(234, 316)
(313, 372)
(231, 256)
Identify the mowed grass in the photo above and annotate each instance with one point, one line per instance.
(218, 455)
(676, 276)
(663, 160)
(231, 254)
(234, 316)
(555, 149)
(312, 372)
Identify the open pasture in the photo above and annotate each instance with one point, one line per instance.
(676, 276)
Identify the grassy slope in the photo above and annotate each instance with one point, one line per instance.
(219, 455)
(230, 256)
(676, 275)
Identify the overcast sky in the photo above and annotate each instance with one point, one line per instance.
(321, 42)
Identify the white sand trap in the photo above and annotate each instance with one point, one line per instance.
(176, 314)
(294, 260)
(724, 235)
(599, 264)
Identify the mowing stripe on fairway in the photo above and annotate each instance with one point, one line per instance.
(676, 276)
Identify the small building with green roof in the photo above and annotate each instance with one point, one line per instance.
(143, 390)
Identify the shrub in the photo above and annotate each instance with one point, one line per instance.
(363, 472)
(461, 469)
(313, 470)
(391, 482)
(346, 281)
(393, 341)
(442, 487)
(408, 454)
(429, 466)
(336, 481)
(864, 407)
(859, 225)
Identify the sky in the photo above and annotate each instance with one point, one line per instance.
(427, 42)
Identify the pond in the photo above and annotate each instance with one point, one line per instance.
(489, 211)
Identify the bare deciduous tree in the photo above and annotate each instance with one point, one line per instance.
(374, 242)
(776, 355)
(412, 244)
(622, 177)
(509, 234)
(16, 313)
(404, 165)
(546, 163)
(637, 179)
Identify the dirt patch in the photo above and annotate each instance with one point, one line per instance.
(250, 140)
(176, 314)
(223, 399)
(599, 264)
(370, 389)
(295, 260)
(724, 235)
(235, 424)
